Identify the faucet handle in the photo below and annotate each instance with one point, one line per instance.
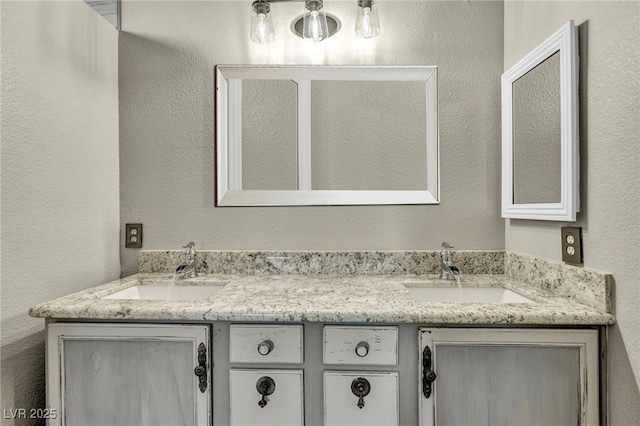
(446, 245)
(190, 245)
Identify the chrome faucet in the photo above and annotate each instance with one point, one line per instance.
(188, 268)
(448, 269)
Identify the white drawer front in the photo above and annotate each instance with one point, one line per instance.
(284, 407)
(361, 345)
(280, 344)
(341, 404)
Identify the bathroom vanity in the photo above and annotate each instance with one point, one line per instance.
(332, 349)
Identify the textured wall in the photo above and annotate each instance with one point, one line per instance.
(610, 160)
(168, 51)
(59, 174)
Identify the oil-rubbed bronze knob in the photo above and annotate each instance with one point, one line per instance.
(360, 387)
(265, 386)
(265, 347)
(362, 349)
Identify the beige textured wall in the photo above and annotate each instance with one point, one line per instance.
(168, 51)
(609, 34)
(60, 202)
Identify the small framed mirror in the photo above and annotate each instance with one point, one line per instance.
(326, 135)
(540, 155)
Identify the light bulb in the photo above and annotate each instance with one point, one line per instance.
(261, 26)
(315, 21)
(367, 22)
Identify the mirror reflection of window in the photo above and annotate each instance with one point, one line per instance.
(537, 135)
(269, 135)
(368, 135)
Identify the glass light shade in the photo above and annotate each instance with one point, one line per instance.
(314, 25)
(262, 31)
(367, 22)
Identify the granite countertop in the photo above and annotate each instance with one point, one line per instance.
(323, 298)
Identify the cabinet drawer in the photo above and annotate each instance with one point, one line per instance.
(284, 406)
(380, 404)
(279, 344)
(360, 345)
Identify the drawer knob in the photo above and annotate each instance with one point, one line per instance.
(362, 349)
(265, 386)
(360, 388)
(265, 347)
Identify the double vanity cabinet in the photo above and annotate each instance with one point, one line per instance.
(311, 373)
(314, 349)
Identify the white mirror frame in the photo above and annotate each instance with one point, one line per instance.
(229, 137)
(564, 41)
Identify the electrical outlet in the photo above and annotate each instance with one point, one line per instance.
(571, 245)
(133, 235)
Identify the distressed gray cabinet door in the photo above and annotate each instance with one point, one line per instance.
(126, 374)
(509, 377)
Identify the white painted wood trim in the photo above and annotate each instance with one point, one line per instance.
(304, 135)
(287, 343)
(324, 198)
(234, 118)
(57, 333)
(229, 172)
(222, 136)
(585, 340)
(565, 41)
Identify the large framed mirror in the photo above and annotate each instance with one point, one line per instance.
(325, 135)
(540, 155)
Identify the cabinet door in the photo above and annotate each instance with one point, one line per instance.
(509, 377)
(125, 374)
(282, 405)
(343, 407)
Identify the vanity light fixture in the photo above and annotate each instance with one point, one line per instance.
(262, 31)
(314, 24)
(367, 22)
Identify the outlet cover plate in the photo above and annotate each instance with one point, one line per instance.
(133, 235)
(571, 245)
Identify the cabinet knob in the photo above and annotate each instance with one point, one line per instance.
(265, 386)
(362, 349)
(360, 387)
(265, 347)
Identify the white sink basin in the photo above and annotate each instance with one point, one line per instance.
(467, 295)
(163, 292)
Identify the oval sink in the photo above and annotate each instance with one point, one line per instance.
(161, 292)
(467, 295)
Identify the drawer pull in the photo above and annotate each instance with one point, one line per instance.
(265, 347)
(265, 386)
(362, 349)
(360, 388)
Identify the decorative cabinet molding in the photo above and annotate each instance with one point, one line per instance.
(510, 376)
(116, 374)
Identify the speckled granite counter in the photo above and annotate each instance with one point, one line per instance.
(324, 298)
